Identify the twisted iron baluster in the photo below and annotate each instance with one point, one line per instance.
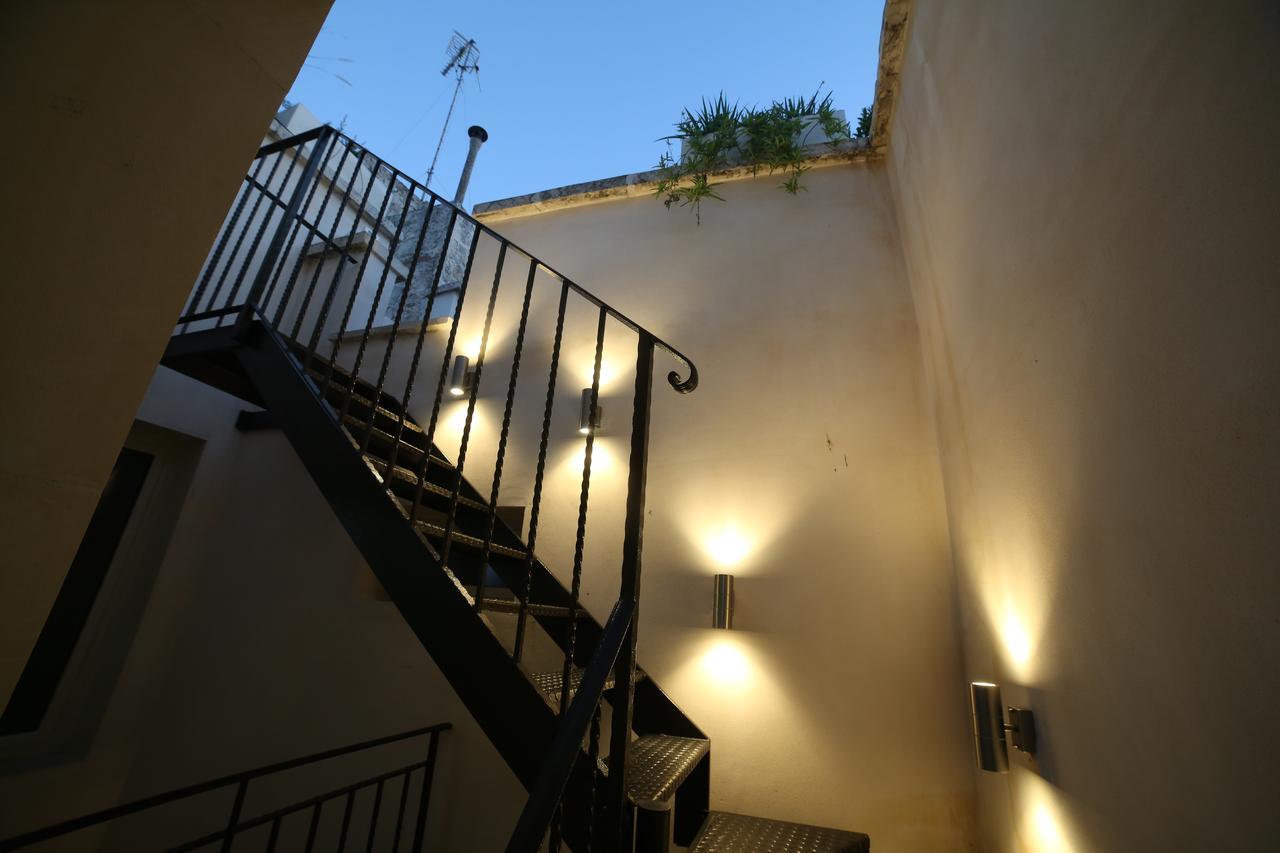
(422, 336)
(523, 618)
(579, 543)
(297, 226)
(327, 303)
(373, 313)
(343, 255)
(593, 756)
(395, 329)
(425, 462)
(355, 291)
(506, 427)
(471, 408)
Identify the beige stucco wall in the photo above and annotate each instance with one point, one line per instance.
(1088, 200)
(130, 124)
(261, 641)
(805, 465)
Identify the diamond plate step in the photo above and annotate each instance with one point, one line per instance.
(657, 764)
(725, 832)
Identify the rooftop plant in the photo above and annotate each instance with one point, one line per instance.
(719, 134)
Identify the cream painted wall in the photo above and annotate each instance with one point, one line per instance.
(261, 641)
(805, 465)
(1089, 202)
(133, 122)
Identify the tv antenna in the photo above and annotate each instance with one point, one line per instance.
(464, 59)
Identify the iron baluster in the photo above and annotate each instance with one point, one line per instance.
(395, 327)
(274, 836)
(300, 220)
(236, 808)
(575, 590)
(422, 337)
(420, 823)
(506, 425)
(373, 816)
(266, 269)
(623, 701)
(315, 826)
(344, 254)
(473, 392)
(593, 757)
(373, 313)
(355, 289)
(327, 302)
(430, 436)
(522, 618)
(404, 800)
(302, 254)
(223, 236)
(235, 248)
(346, 820)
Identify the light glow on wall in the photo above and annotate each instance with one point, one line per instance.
(724, 663)
(1042, 821)
(1016, 640)
(727, 545)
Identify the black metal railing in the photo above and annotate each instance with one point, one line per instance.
(381, 262)
(398, 783)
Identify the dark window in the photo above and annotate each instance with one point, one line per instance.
(35, 688)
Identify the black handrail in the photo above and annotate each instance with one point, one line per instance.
(566, 748)
(240, 779)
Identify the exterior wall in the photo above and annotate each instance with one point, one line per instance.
(804, 464)
(120, 189)
(1088, 203)
(262, 639)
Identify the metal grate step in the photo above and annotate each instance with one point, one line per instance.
(724, 832)
(657, 764)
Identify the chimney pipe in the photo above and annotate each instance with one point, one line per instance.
(479, 136)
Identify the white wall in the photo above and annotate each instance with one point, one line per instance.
(805, 465)
(262, 640)
(1088, 200)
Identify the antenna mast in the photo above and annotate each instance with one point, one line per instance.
(464, 58)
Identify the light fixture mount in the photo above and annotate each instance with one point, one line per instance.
(461, 376)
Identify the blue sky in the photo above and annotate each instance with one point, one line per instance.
(571, 91)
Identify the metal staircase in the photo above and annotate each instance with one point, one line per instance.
(337, 344)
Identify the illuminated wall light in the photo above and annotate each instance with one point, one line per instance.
(460, 377)
(722, 602)
(589, 418)
(989, 728)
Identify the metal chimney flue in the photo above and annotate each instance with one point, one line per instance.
(479, 136)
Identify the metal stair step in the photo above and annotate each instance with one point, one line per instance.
(512, 605)
(657, 764)
(725, 832)
(435, 532)
(549, 683)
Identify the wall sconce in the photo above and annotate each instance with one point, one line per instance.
(722, 602)
(589, 419)
(989, 728)
(460, 377)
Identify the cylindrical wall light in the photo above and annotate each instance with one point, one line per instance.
(989, 728)
(589, 418)
(460, 376)
(722, 602)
